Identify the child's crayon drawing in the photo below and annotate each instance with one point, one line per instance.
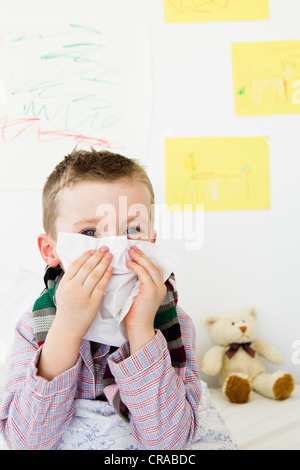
(266, 78)
(67, 84)
(222, 173)
(177, 11)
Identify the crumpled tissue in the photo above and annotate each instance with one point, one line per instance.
(109, 325)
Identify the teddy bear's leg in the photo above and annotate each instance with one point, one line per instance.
(237, 388)
(278, 385)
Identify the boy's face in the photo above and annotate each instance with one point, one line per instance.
(99, 209)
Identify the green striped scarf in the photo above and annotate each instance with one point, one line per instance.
(166, 320)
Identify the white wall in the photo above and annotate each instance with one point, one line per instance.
(248, 257)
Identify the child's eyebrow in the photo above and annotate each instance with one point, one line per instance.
(94, 221)
(134, 217)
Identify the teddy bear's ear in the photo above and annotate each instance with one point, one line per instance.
(209, 321)
(251, 311)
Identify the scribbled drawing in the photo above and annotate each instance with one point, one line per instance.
(208, 187)
(73, 78)
(266, 87)
(12, 129)
(264, 76)
(199, 6)
(72, 83)
(222, 173)
(68, 78)
(259, 86)
(177, 11)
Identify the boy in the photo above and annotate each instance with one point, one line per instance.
(158, 399)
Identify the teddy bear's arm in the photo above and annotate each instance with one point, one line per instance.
(267, 351)
(212, 360)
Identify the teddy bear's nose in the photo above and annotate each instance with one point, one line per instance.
(243, 328)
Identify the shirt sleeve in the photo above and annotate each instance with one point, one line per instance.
(35, 412)
(162, 401)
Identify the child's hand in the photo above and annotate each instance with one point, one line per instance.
(140, 318)
(80, 291)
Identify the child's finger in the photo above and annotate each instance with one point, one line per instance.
(102, 284)
(145, 262)
(97, 273)
(142, 273)
(161, 272)
(84, 264)
(77, 264)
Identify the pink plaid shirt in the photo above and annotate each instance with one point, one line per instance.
(163, 405)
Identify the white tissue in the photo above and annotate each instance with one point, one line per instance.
(109, 326)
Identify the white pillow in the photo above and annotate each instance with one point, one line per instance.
(19, 289)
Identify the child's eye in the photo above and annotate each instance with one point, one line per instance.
(90, 233)
(133, 230)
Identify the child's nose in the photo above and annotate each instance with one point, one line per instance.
(243, 328)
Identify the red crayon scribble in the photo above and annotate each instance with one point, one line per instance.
(11, 129)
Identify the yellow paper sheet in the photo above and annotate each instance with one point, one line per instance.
(266, 78)
(181, 11)
(223, 173)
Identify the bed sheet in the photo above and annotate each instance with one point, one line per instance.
(262, 423)
(96, 426)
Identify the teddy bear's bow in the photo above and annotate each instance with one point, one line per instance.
(235, 346)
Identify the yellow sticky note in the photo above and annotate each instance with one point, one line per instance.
(222, 173)
(181, 11)
(266, 78)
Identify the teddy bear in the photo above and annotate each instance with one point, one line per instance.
(236, 358)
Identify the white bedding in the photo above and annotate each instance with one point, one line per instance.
(96, 426)
(262, 424)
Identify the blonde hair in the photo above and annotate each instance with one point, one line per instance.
(83, 165)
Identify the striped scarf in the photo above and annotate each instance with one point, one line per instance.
(166, 321)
